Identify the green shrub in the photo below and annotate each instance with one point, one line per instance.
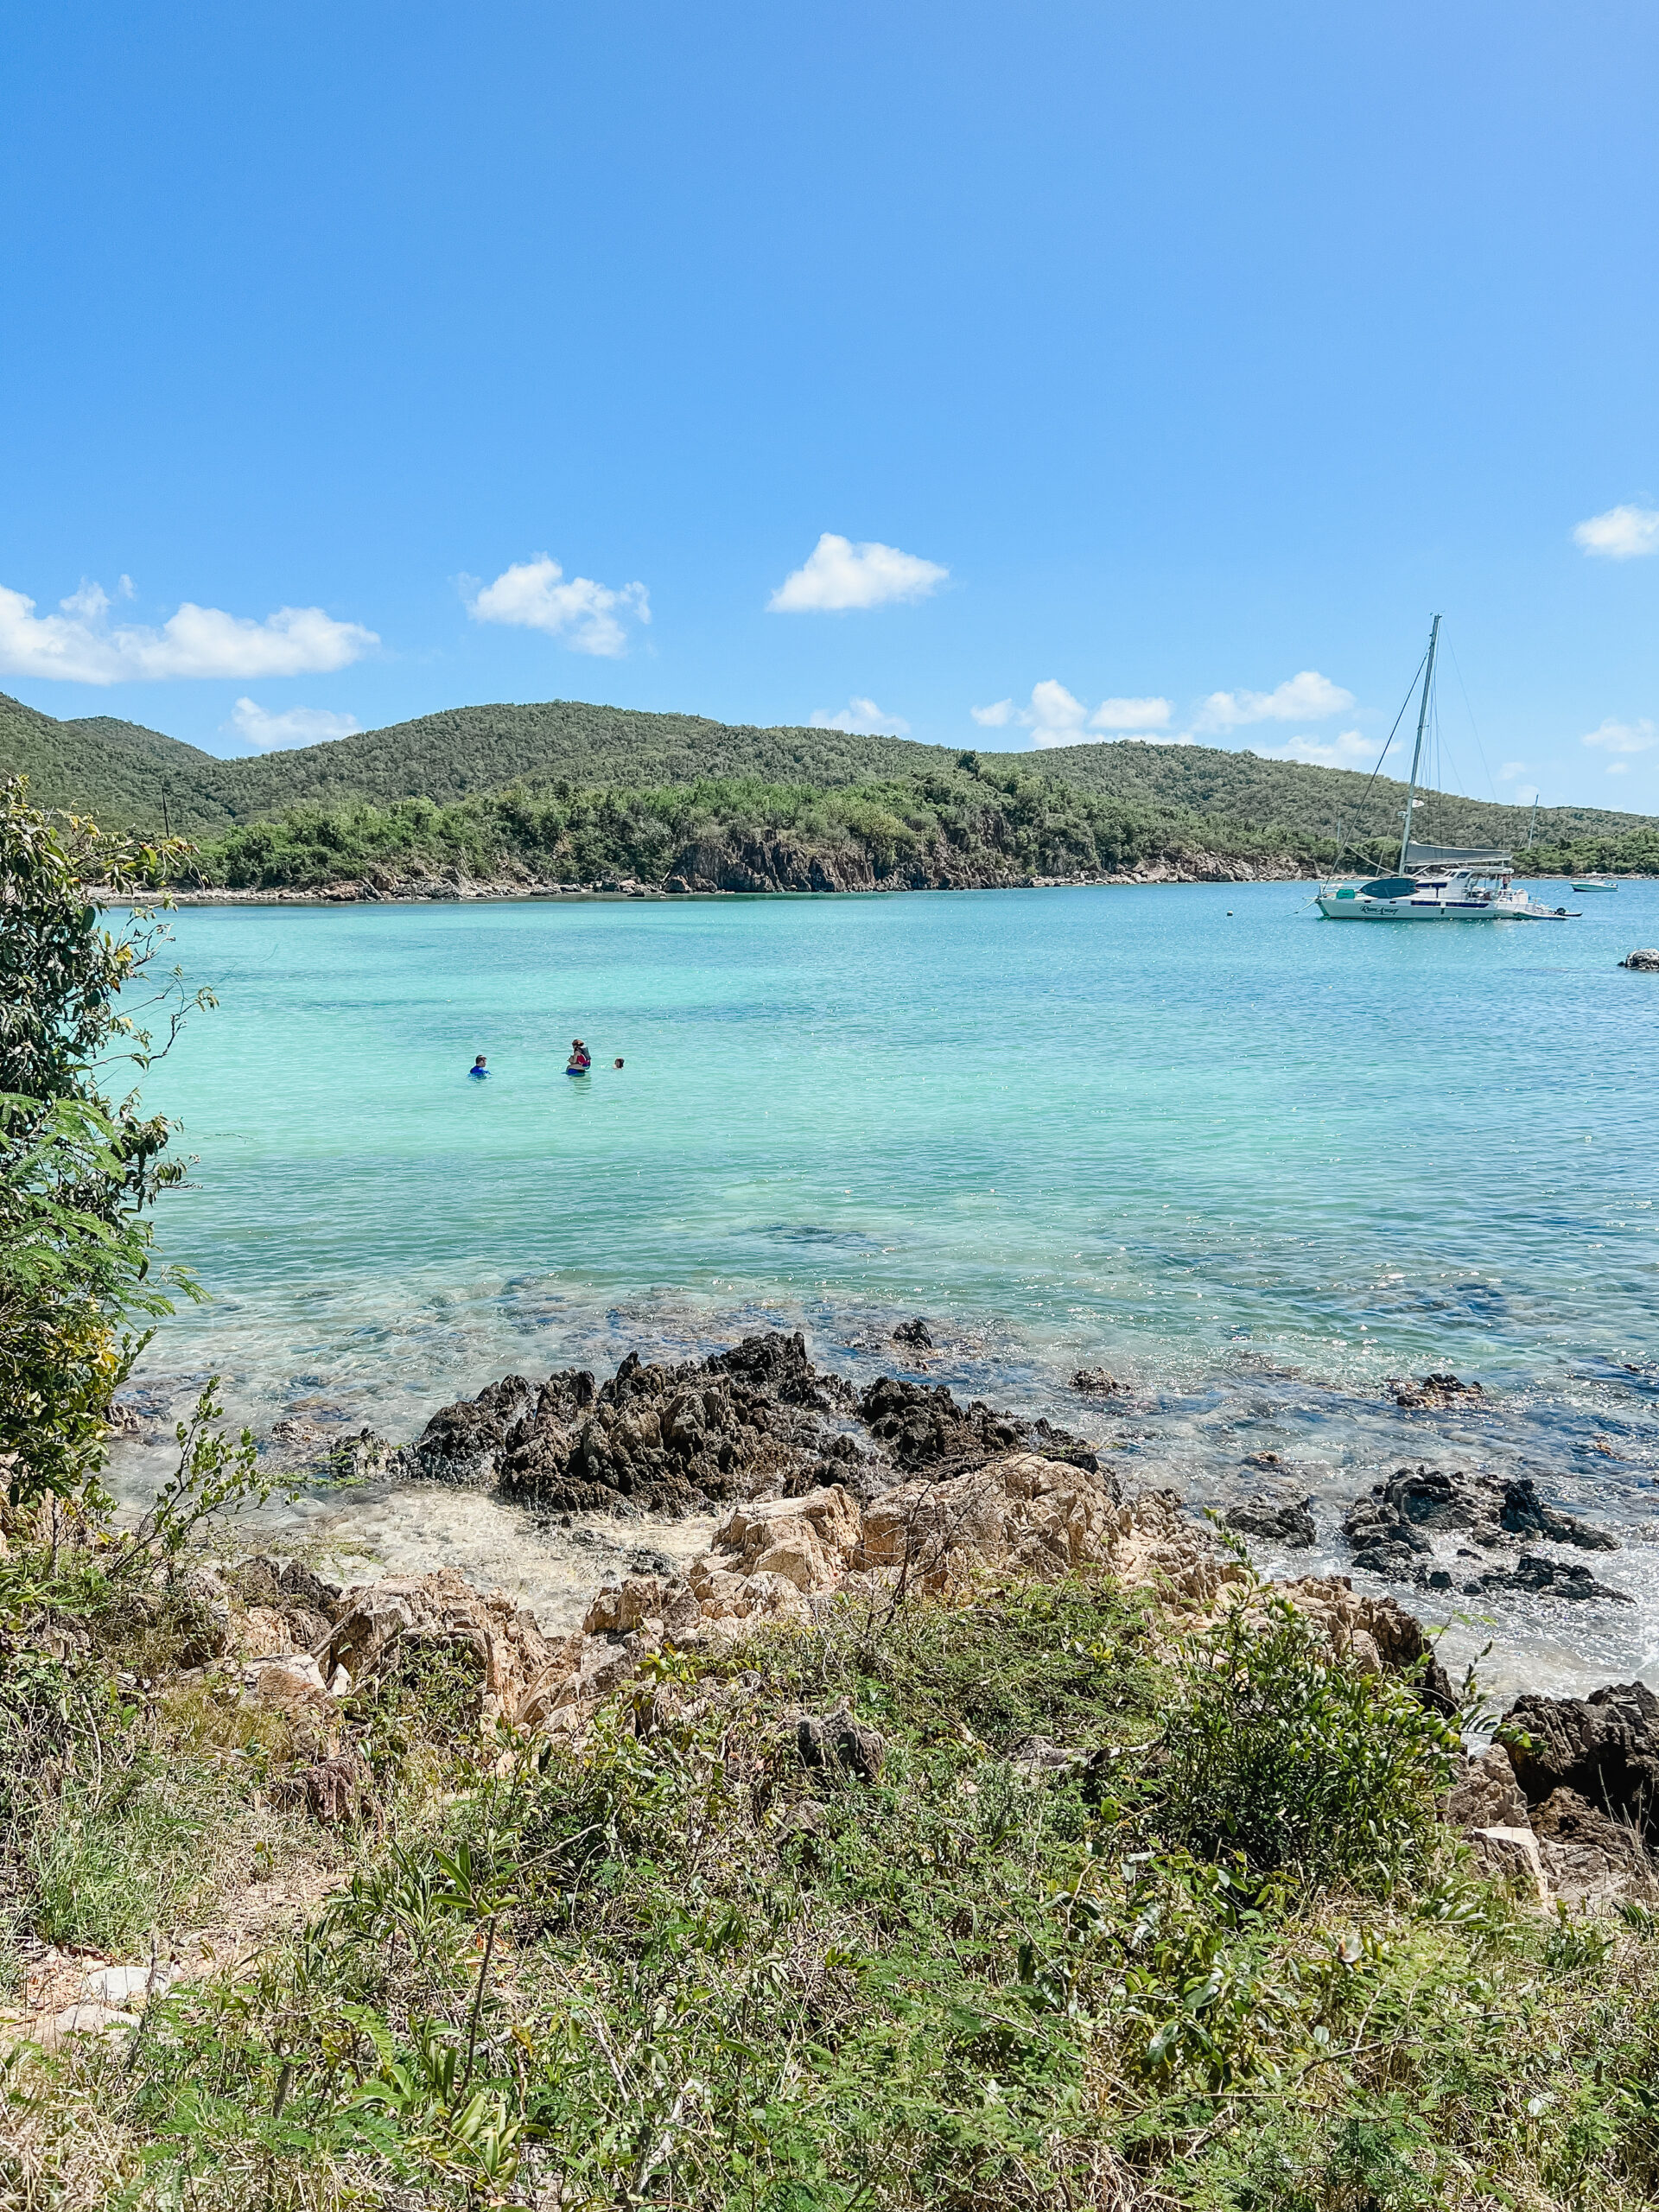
(1299, 1760)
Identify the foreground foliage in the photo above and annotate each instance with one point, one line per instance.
(1017, 1962)
(78, 1168)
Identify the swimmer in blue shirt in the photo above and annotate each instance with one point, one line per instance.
(478, 1071)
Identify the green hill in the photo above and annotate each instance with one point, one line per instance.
(115, 770)
(527, 783)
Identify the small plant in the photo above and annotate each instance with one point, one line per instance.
(1297, 1759)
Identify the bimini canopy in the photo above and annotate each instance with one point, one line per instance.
(1456, 857)
(1390, 886)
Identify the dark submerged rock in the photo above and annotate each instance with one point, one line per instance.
(916, 1335)
(1434, 1392)
(1547, 1578)
(1095, 1383)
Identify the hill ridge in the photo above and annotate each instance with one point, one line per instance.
(129, 774)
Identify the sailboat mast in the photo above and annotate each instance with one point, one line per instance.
(1417, 752)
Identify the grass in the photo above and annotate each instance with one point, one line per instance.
(1202, 1944)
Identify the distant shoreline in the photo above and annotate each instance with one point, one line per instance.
(472, 893)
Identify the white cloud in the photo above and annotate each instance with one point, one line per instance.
(1306, 697)
(264, 733)
(838, 575)
(1055, 717)
(1622, 737)
(1351, 749)
(1619, 767)
(1130, 713)
(1622, 534)
(78, 646)
(534, 594)
(864, 718)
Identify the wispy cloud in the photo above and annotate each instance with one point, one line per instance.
(1622, 737)
(80, 646)
(1622, 534)
(837, 574)
(1350, 749)
(536, 595)
(864, 719)
(1056, 717)
(1306, 697)
(1512, 771)
(265, 733)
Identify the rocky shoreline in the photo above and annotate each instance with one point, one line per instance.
(827, 1492)
(730, 877)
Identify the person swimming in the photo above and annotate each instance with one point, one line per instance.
(579, 1060)
(478, 1070)
(616, 1064)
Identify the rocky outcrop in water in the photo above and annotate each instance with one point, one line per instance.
(675, 1438)
(918, 1425)
(1393, 1531)
(1645, 959)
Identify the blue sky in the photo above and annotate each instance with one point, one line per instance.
(1111, 369)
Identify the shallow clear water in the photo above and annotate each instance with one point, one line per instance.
(1253, 1162)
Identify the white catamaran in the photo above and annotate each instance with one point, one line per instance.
(1436, 883)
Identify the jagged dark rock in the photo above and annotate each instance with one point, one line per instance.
(1605, 1746)
(1274, 1520)
(462, 1444)
(673, 1439)
(1547, 1578)
(1392, 1531)
(914, 1334)
(920, 1426)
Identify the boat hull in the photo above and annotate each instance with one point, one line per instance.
(1403, 910)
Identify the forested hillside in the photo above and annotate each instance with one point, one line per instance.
(566, 788)
(114, 770)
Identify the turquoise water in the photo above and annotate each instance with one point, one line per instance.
(1253, 1162)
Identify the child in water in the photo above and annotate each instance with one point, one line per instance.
(579, 1061)
(478, 1071)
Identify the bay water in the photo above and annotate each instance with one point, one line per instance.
(1254, 1163)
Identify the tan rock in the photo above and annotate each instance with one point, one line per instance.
(1590, 1857)
(1486, 1794)
(1021, 1513)
(262, 1630)
(1510, 1855)
(621, 1606)
(440, 1610)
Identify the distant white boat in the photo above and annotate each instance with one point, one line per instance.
(1437, 883)
(1598, 883)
